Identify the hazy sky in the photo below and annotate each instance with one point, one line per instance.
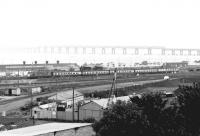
(169, 23)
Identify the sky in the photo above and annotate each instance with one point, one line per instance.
(46, 23)
(168, 23)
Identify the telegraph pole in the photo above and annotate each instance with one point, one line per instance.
(18, 78)
(32, 117)
(73, 104)
(30, 83)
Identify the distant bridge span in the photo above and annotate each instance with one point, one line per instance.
(110, 50)
(126, 54)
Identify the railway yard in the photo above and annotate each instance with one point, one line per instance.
(85, 84)
(56, 85)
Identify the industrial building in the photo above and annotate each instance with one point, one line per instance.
(18, 70)
(95, 108)
(92, 109)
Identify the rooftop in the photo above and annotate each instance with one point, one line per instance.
(42, 129)
(63, 96)
(104, 102)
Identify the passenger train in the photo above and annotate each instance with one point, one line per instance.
(57, 73)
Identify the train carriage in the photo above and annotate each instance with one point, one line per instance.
(102, 72)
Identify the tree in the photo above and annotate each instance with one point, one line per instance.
(120, 120)
(189, 102)
(153, 115)
(160, 117)
(146, 116)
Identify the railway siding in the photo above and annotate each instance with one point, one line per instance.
(10, 105)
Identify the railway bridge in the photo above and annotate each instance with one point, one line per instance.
(103, 54)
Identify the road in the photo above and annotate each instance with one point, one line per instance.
(21, 102)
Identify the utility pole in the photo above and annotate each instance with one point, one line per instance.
(78, 110)
(18, 78)
(73, 105)
(56, 89)
(32, 117)
(31, 104)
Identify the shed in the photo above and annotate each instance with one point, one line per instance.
(13, 91)
(95, 108)
(36, 90)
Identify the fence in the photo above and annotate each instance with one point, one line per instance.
(87, 113)
(44, 114)
(67, 115)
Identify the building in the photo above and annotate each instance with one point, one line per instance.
(67, 97)
(92, 109)
(95, 108)
(36, 90)
(175, 64)
(45, 111)
(53, 129)
(13, 91)
(20, 70)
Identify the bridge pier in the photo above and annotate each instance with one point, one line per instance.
(103, 51)
(163, 52)
(198, 52)
(149, 51)
(113, 51)
(181, 52)
(189, 52)
(136, 51)
(173, 51)
(124, 50)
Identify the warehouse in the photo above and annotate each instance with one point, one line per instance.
(95, 108)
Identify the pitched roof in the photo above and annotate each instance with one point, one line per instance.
(103, 102)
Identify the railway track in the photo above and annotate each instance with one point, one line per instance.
(19, 102)
(60, 81)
